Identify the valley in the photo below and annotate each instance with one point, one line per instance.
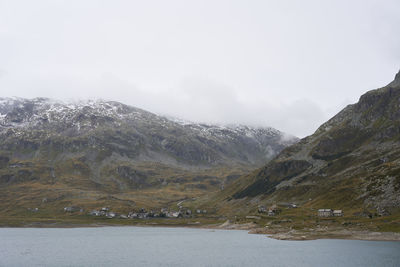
(105, 154)
(94, 154)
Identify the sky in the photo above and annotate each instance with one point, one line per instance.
(287, 64)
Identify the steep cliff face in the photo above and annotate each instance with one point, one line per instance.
(353, 159)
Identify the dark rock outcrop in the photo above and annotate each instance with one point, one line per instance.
(355, 156)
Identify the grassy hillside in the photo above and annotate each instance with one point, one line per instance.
(351, 163)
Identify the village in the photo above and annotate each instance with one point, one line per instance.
(142, 213)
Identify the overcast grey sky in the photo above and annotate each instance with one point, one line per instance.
(287, 64)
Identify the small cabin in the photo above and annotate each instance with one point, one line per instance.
(262, 209)
(95, 213)
(142, 215)
(273, 210)
(111, 215)
(132, 215)
(176, 214)
(325, 213)
(164, 210)
(338, 213)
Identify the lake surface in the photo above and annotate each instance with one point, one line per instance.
(157, 246)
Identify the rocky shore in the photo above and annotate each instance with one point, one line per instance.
(312, 234)
(279, 233)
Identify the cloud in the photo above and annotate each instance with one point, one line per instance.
(199, 99)
(195, 99)
(287, 65)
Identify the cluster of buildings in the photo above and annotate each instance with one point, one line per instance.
(103, 212)
(143, 213)
(183, 213)
(274, 210)
(330, 213)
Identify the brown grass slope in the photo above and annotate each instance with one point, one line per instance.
(352, 162)
(98, 154)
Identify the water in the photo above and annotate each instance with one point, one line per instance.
(146, 246)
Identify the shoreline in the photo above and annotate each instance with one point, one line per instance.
(251, 228)
(304, 235)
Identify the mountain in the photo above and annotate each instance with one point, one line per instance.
(92, 152)
(43, 125)
(352, 162)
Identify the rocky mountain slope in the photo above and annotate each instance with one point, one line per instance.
(352, 162)
(43, 125)
(93, 150)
